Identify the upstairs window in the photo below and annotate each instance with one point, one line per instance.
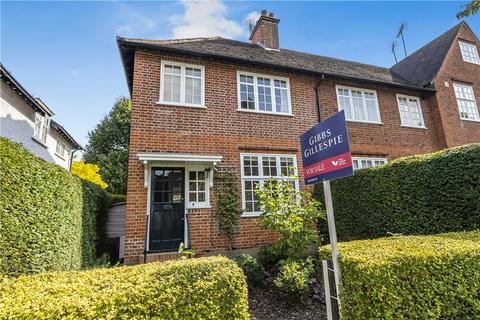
(469, 52)
(182, 84)
(364, 162)
(410, 111)
(360, 105)
(467, 106)
(256, 169)
(258, 93)
(41, 127)
(60, 150)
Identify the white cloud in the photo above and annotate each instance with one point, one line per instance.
(133, 22)
(251, 18)
(205, 19)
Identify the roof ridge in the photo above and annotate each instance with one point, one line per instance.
(457, 26)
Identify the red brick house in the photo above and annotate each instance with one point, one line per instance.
(207, 104)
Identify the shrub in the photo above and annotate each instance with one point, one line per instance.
(294, 278)
(294, 215)
(270, 255)
(205, 288)
(427, 194)
(252, 269)
(89, 172)
(411, 277)
(47, 218)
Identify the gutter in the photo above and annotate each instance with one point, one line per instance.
(124, 44)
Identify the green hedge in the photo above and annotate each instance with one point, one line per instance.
(47, 215)
(426, 194)
(204, 288)
(411, 277)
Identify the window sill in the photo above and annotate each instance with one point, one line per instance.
(40, 142)
(199, 207)
(266, 112)
(366, 122)
(251, 215)
(414, 127)
(60, 156)
(471, 120)
(176, 104)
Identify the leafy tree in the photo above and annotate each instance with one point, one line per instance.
(89, 172)
(294, 215)
(108, 146)
(469, 9)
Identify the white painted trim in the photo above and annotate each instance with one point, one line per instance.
(197, 205)
(398, 95)
(272, 90)
(261, 177)
(178, 157)
(474, 100)
(182, 84)
(460, 43)
(374, 92)
(385, 160)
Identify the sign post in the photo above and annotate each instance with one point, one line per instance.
(326, 156)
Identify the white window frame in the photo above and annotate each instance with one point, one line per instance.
(63, 148)
(477, 119)
(476, 59)
(182, 102)
(41, 133)
(359, 159)
(196, 204)
(374, 92)
(261, 177)
(422, 126)
(272, 90)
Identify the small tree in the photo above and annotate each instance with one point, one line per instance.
(228, 206)
(292, 214)
(89, 172)
(108, 146)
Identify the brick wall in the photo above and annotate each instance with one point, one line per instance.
(220, 129)
(457, 131)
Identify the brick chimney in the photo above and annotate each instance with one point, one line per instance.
(265, 32)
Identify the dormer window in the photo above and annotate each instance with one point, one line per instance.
(469, 52)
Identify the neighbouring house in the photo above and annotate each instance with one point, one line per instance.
(212, 104)
(28, 120)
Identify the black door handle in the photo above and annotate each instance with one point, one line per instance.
(167, 207)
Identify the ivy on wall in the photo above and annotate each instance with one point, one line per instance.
(228, 204)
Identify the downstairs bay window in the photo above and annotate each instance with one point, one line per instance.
(256, 169)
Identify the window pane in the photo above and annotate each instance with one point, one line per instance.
(193, 186)
(264, 94)
(269, 166)
(247, 95)
(192, 197)
(201, 197)
(192, 175)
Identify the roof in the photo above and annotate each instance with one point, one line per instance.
(422, 66)
(55, 125)
(36, 103)
(232, 50)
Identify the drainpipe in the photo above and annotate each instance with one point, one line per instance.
(317, 95)
(71, 159)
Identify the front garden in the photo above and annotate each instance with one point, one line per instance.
(392, 276)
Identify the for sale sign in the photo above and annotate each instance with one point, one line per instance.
(326, 151)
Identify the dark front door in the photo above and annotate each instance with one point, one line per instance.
(167, 209)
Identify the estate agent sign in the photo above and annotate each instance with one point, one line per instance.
(325, 150)
(326, 156)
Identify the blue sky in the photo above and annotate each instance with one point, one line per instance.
(65, 52)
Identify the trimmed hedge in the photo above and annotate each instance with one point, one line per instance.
(47, 215)
(204, 288)
(426, 194)
(411, 277)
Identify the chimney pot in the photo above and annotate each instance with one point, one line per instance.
(265, 32)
